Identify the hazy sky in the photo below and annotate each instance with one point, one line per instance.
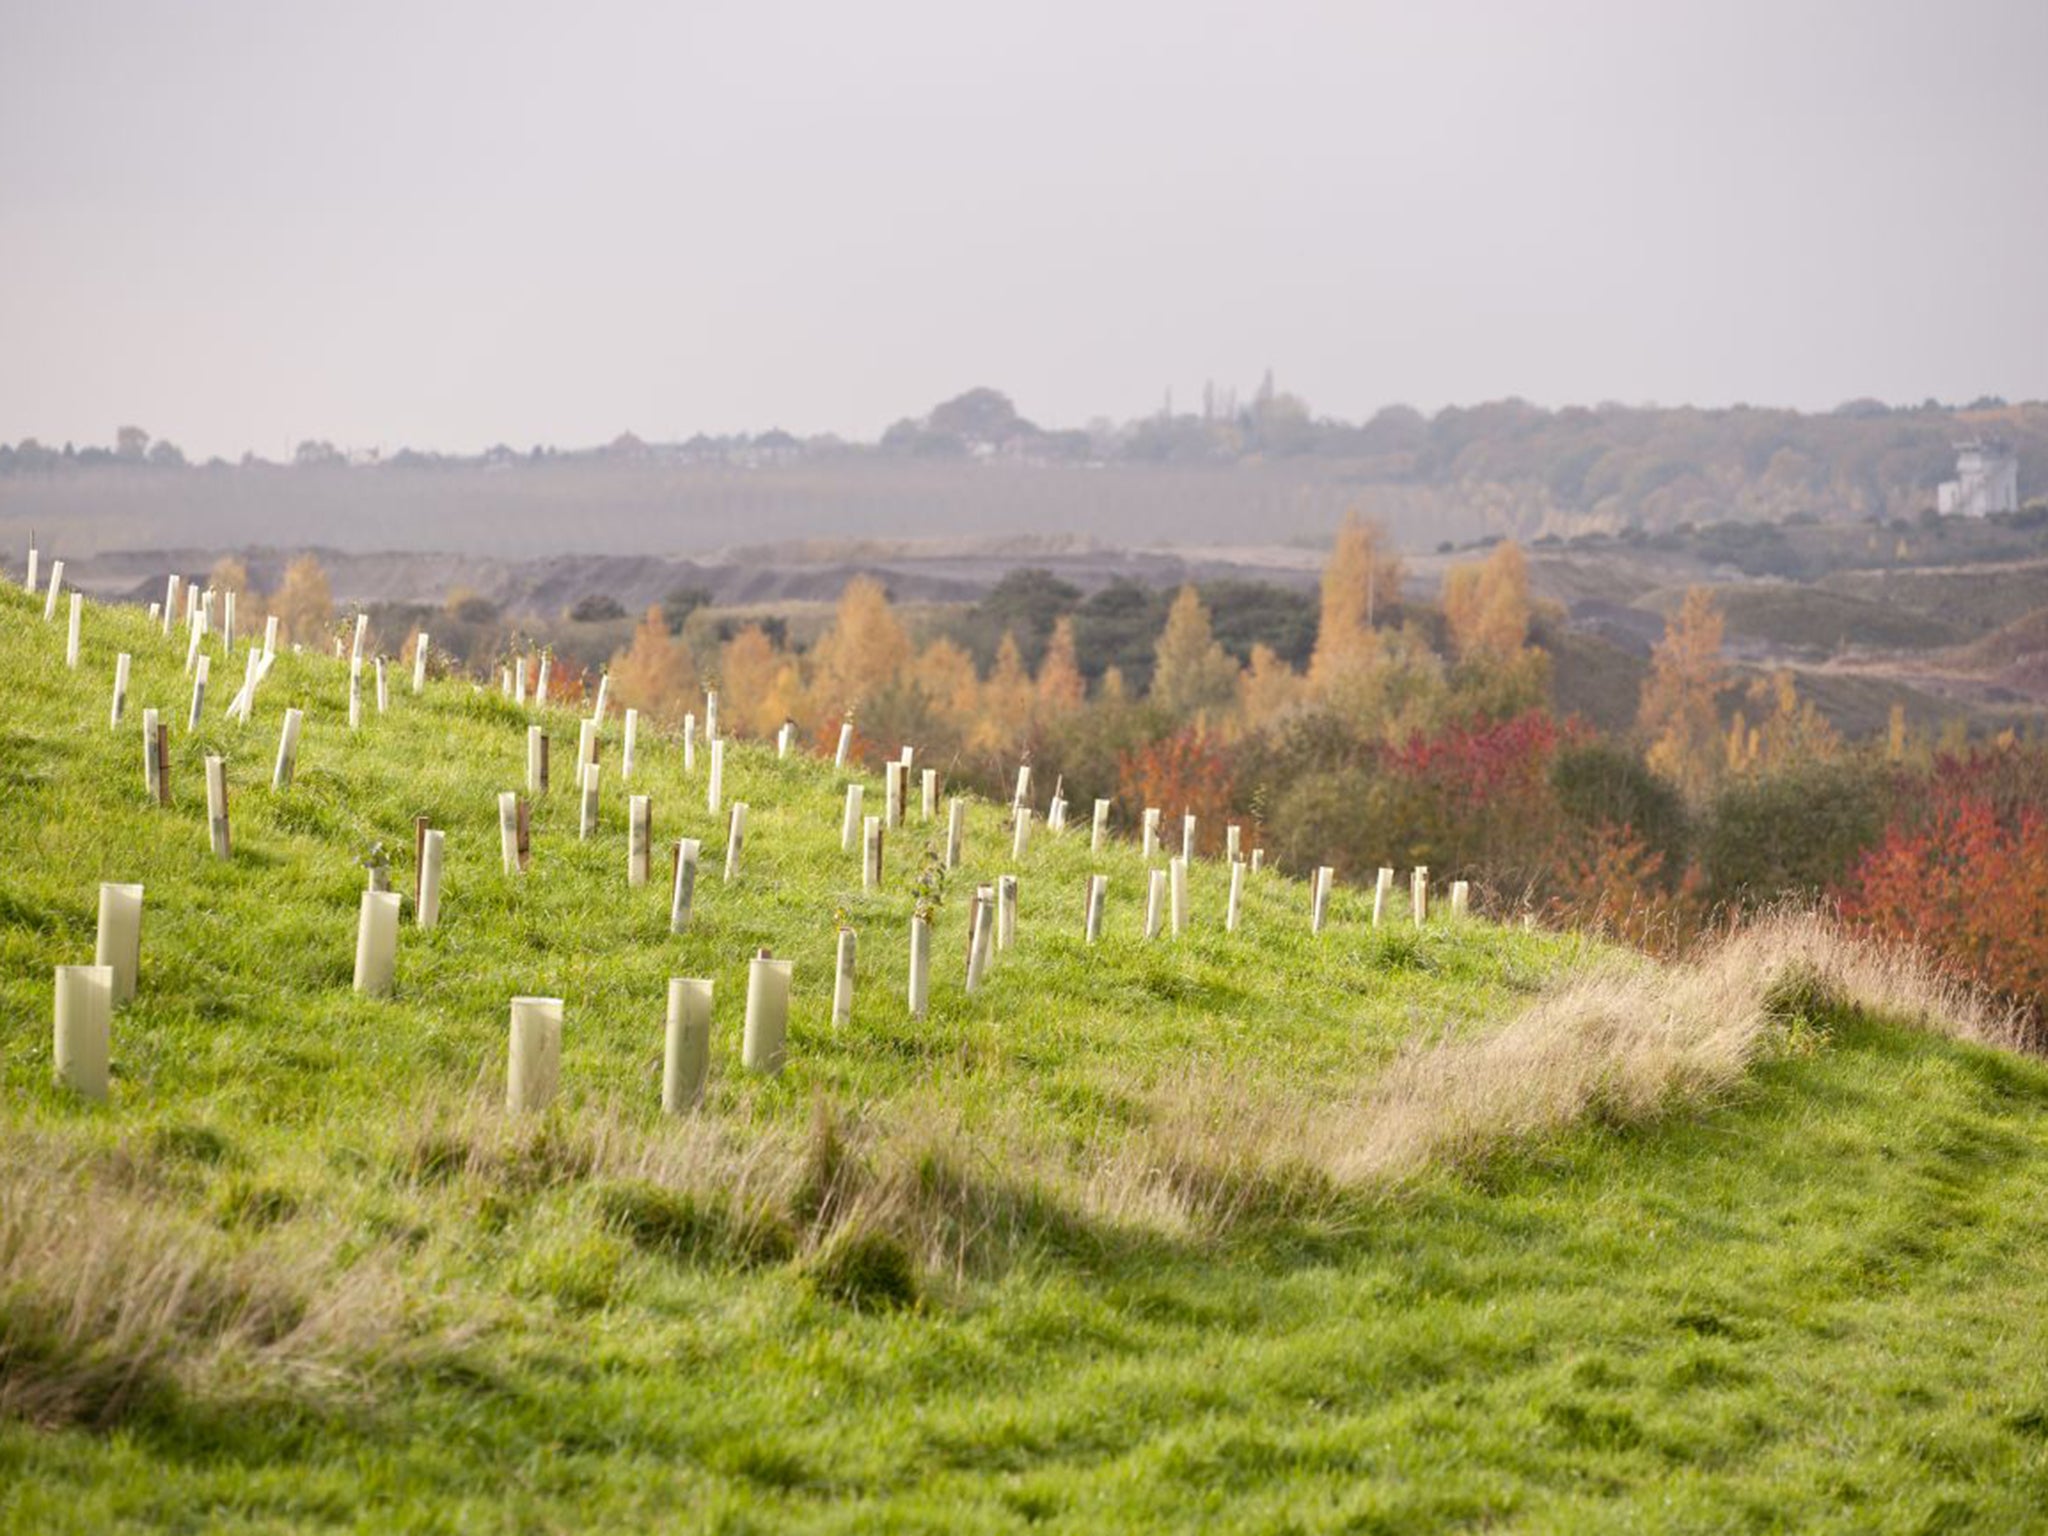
(445, 225)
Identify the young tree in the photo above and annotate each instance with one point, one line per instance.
(1192, 673)
(304, 603)
(1679, 714)
(655, 674)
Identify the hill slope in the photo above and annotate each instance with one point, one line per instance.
(1241, 1231)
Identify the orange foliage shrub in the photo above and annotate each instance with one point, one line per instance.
(1964, 874)
(1187, 771)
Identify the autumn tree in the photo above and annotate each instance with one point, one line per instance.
(1061, 689)
(1006, 700)
(1361, 581)
(1486, 605)
(1192, 673)
(655, 674)
(1269, 690)
(304, 603)
(862, 652)
(1790, 732)
(757, 682)
(1679, 714)
(946, 673)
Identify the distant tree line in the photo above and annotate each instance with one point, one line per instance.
(1520, 468)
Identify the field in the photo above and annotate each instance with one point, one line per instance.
(1395, 1229)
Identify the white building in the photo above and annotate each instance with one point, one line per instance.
(1987, 480)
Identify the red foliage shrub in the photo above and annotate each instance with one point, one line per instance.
(1969, 883)
(1963, 872)
(1187, 771)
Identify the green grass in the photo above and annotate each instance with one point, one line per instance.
(1817, 1305)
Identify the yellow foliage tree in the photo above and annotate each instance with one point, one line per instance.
(864, 649)
(1791, 730)
(1679, 714)
(757, 683)
(1004, 720)
(1191, 672)
(655, 673)
(1486, 604)
(945, 672)
(1061, 689)
(304, 603)
(1361, 581)
(1270, 689)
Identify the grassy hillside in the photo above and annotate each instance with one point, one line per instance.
(1378, 1231)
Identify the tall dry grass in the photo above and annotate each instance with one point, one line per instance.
(110, 1301)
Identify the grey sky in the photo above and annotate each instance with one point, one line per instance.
(446, 225)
